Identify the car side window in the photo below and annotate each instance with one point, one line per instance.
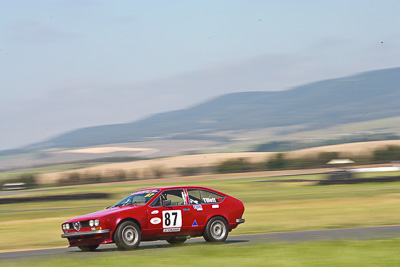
(156, 202)
(176, 196)
(194, 196)
(210, 197)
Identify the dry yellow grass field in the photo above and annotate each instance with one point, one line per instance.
(169, 164)
(360, 148)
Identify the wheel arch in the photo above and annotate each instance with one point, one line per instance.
(213, 216)
(122, 221)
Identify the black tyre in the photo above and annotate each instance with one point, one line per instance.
(176, 240)
(127, 235)
(216, 230)
(88, 248)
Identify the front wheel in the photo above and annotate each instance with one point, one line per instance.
(216, 230)
(88, 248)
(127, 235)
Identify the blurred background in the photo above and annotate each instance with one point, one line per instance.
(113, 96)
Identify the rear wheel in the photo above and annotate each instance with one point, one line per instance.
(216, 230)
(88, 248)
(127, 235)
(176, 240)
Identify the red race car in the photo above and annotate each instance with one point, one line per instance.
(173, 214)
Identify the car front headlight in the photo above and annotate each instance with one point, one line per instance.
(96, 222)
(67, 226)
(91, 223)
(63, 226)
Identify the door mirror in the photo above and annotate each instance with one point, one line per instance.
(166, 203)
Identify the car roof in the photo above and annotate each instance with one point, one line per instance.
(177, 187)
(180, 187)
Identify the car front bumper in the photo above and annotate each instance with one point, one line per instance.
(238, 221)
(85, 233)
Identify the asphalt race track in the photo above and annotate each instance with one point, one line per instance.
(332, 234)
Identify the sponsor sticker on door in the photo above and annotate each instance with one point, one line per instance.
(198, 207)
(168, 230)
(155, 220)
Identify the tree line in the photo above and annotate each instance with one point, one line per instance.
(280, 161)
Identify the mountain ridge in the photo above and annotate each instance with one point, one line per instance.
(361, 97)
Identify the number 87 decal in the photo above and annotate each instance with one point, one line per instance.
(172, 218)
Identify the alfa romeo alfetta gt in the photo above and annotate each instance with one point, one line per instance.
(173, 214)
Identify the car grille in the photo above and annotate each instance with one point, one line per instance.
(84, 224)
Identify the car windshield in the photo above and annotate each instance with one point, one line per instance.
(138, 198)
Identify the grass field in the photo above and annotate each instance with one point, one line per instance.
(388, 125)
(270, 207)
(45, 169)
(321, 253)
(169, 165)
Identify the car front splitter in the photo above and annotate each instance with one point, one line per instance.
(105, 231)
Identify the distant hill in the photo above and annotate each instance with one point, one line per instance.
(364, 97)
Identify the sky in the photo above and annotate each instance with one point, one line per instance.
(68, 64)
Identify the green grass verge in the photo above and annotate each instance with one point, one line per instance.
(377, 174)
(316, 253)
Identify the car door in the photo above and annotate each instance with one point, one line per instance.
(169, 214)
(199, 213)
(204, 204)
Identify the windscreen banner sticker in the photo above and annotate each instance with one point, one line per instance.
(209, 200)
(146, 192)
(172, 219)
(169, 230)
(155, 220)
(198, 207)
